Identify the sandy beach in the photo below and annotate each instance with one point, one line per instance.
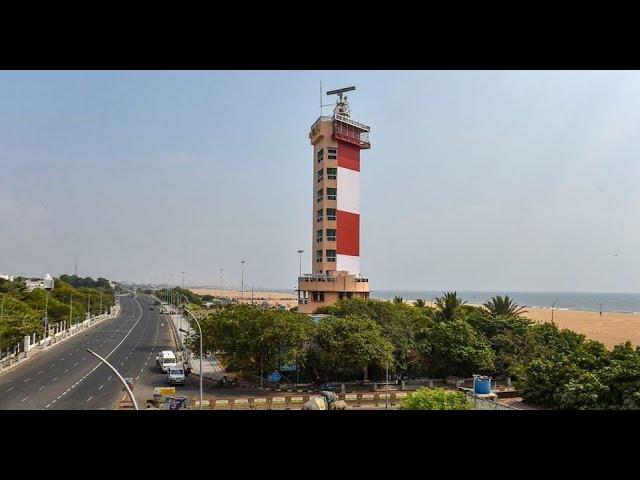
(272, 298)
(611, 329)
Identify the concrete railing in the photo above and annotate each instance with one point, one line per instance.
(15, 359)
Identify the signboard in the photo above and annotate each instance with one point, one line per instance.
(164, 391)
(274, 377)
(289, 368)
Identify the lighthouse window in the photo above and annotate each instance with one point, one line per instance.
(332, 173)
(319, 215)
(332, 193)
(318, 235)
(332, 153)
(318, 296)
(331, 213)
(331, 234)
(318, 256)
(331, 255)
(320, 155)
(319, 195)
(319, 175)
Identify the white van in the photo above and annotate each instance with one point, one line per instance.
(175, 375)
(165, 360)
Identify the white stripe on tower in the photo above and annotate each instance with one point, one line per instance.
(348, 190)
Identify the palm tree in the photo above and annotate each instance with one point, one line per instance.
(504, 306)
(398, 300)
(448, 305)
(419, 303)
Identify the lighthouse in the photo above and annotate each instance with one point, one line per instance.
(337, 141)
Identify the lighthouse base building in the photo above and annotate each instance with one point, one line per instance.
(337, 141)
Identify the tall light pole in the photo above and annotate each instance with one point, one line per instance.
(300, 254)
(71, 309)
(200, 330)
(183, 280)
(221, 270)
(553, 308)
(242, 281)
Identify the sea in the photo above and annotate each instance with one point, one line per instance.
(608, 302)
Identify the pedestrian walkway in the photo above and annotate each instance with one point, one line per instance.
(211, 368)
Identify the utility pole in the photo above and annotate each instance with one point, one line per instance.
(70, 309)
(76, 267)
(221, 270)
(242, 281)
(183, 280)
(552, 309)
(100, 302)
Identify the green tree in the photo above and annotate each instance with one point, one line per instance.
(420, 303)
(448, 305)
(343, 347)
(503, 306)
(455, 348)
(398, 300)
(435, 399)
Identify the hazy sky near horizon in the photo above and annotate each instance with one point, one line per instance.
(476, 180)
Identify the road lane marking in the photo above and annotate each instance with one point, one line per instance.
(41, 388)
(110, 353)
(100, 387)
(40, 372)
(89, 399)
(52, 365)
(24, 398)
(10, 389)
(76, 364)
(56, 378)
(27, 379)
(109, 379)
(66, 371)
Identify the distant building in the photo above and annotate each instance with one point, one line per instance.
(6, 277)
(337, 141)
(45, 283)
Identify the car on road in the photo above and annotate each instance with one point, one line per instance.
(175, 375)
(166, 360)
(150, 308)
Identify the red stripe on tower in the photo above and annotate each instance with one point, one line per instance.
(348, 241)
(348, 156)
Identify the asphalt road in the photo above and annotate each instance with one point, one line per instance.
(67, 377)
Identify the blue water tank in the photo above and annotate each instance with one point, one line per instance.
(482, 385)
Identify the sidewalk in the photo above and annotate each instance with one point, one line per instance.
(211, 368)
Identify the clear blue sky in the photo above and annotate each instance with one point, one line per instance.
(475, 180)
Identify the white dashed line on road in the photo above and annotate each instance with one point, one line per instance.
(66, 371)
(55, 378)
(100, 387)
(24, 398)
(27, 379)
(109, 379)
(10, 389)
(40, 372)
(41, 388)
(89, 399)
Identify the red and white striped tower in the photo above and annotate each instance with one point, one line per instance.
(337, 141)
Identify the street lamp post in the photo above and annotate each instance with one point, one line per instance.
(242, 280)
(221, 270)
(200, 331)
(300, 254)
(126, 386)
(553, 308)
